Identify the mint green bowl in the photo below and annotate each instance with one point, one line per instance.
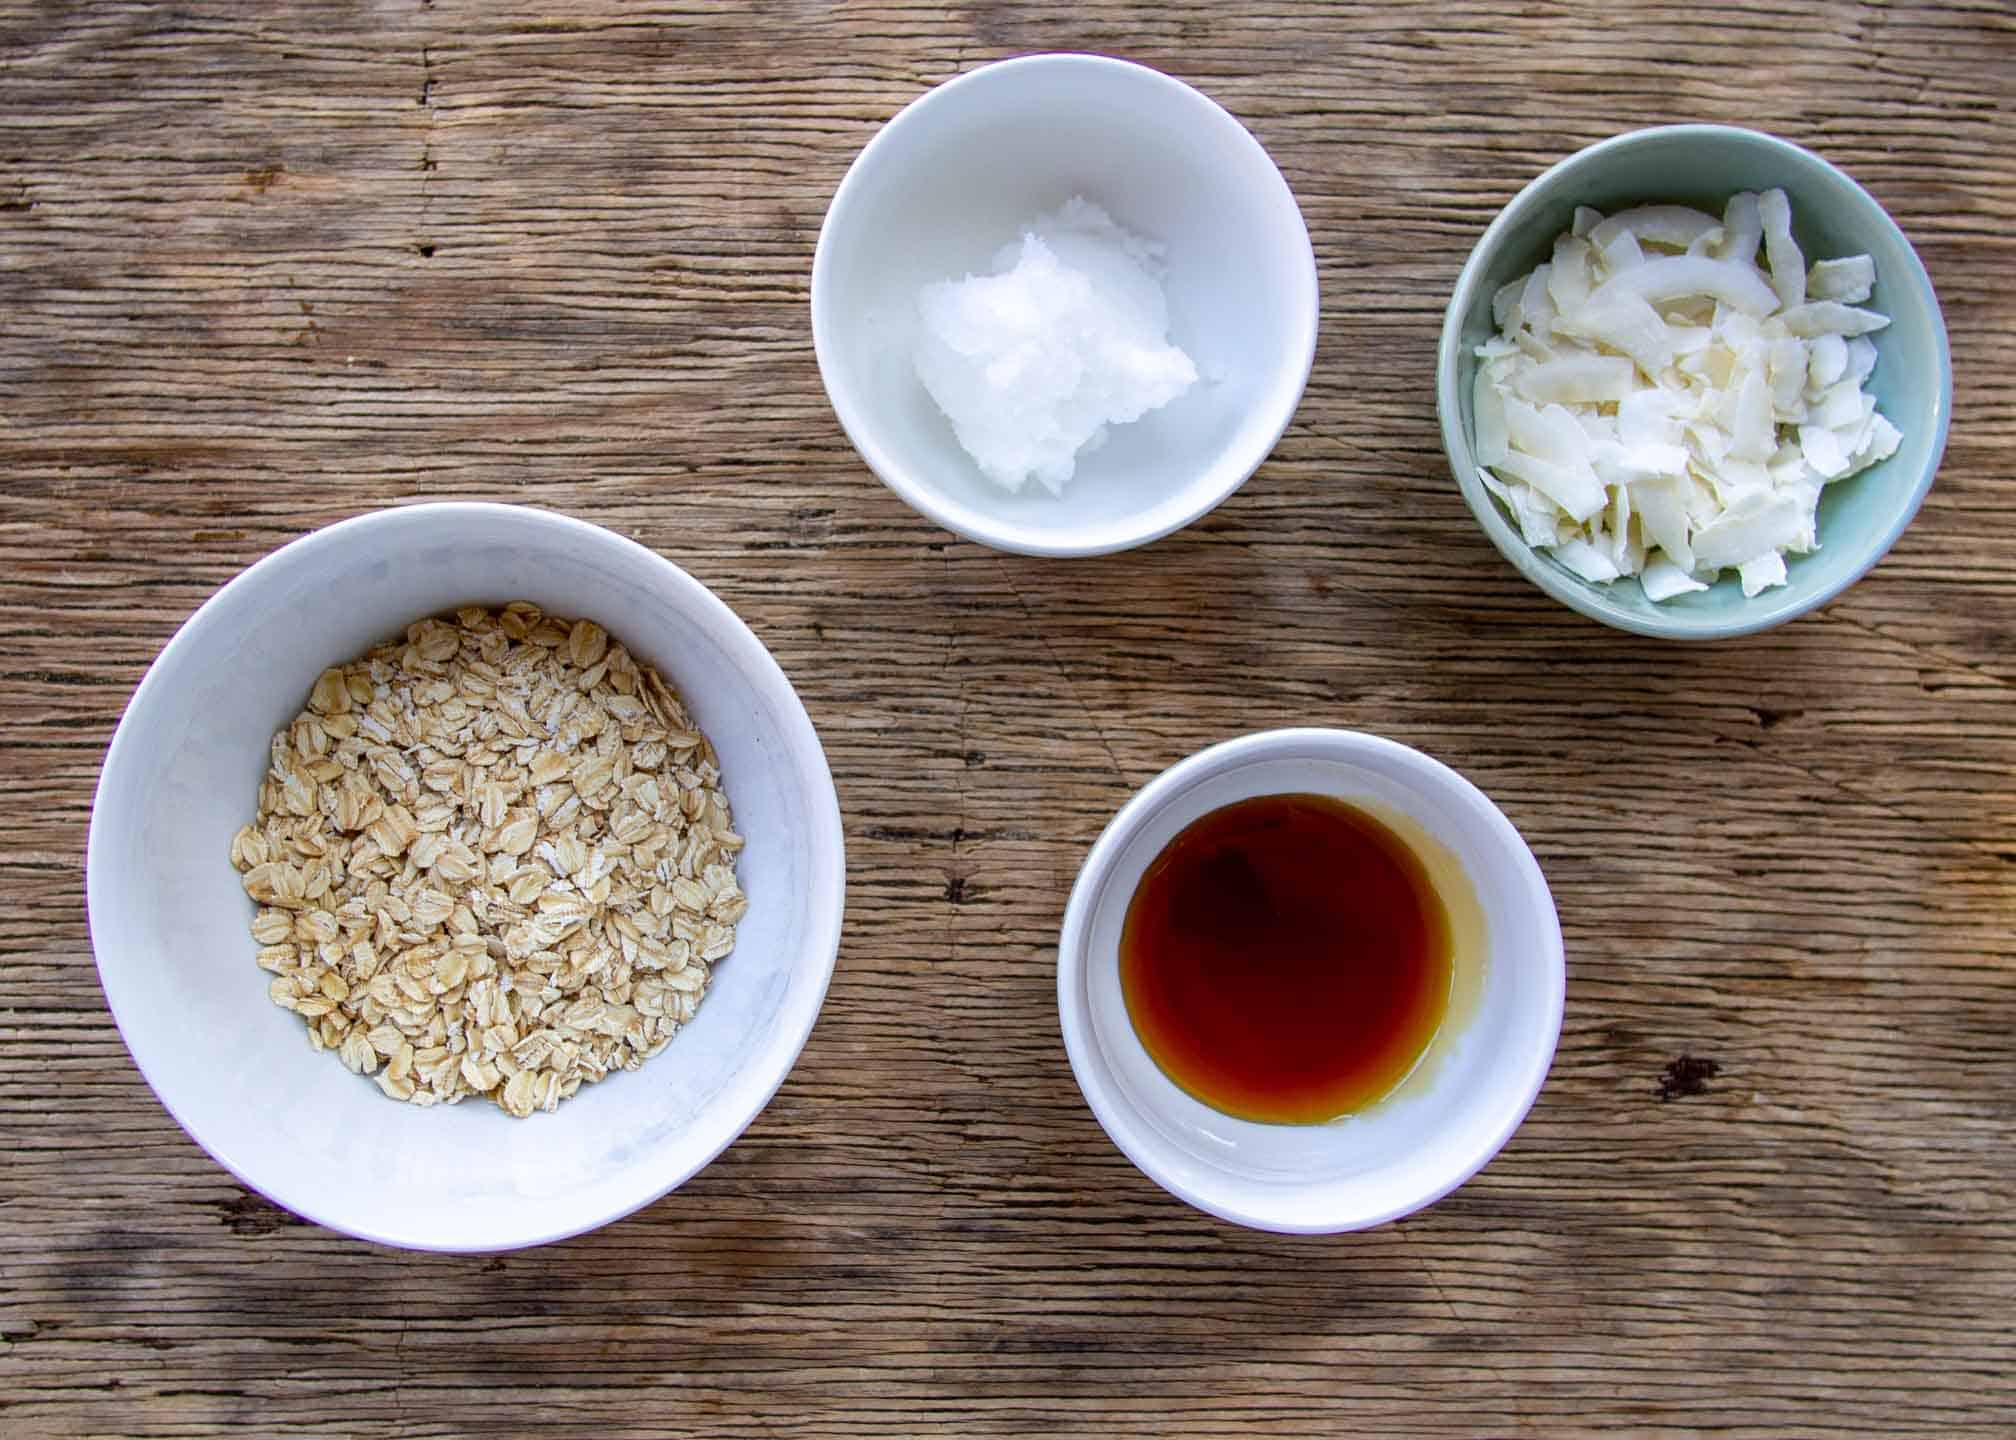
(1702, 165)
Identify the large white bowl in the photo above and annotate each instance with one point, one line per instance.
(169, 918)
(956, 176)
(1481, 1072)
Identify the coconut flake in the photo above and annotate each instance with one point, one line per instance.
(1568, 280)
(1668, 395)
(1539, 524)
(1851, 280)
(1578, 493)
(1787, 366)
(1752, 434)
(1861, 359)
(1840, 407)
(1536, 306)
(1830, 317)
(1622, 252)
(1584, 377)
(1759, 521)
(1678, 277)
(1674, 226)
(1649, 417)
(1826, 362)
(1760, 572)
(1742, 229)
(1788, 266)
(1587, 561)
(1664, 521)
(1618, 464)
(1488, 406)
(1884, 438)
(1626, 324)
(1662, 580)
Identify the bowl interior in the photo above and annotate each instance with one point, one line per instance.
(169, 918)
(1475, 1082)
(957, 175)
(1832, 216)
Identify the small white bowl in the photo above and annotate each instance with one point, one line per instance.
(169, 918)
(956, 176)
(1480, 1074)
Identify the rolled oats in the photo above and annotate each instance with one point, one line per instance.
(493, 858)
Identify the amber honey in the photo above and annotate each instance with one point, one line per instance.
(1286, 959)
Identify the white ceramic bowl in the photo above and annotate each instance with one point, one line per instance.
(956, 176)
(169, 918)
(1480, 1073)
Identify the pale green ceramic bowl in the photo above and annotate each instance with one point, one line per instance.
(1702, 165)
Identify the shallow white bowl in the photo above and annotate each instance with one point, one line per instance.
(169, 918)
(1481, 1072)
(957, 175)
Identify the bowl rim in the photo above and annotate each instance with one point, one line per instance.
(826, 907)
(1283, 395)
(1758, 614)
(1088, 891)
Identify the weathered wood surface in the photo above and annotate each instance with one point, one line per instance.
(266, 266)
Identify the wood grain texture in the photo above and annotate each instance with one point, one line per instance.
(263, 267)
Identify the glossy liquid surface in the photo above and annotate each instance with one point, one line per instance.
(1286, 959)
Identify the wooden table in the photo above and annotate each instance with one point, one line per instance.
(263, 267)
